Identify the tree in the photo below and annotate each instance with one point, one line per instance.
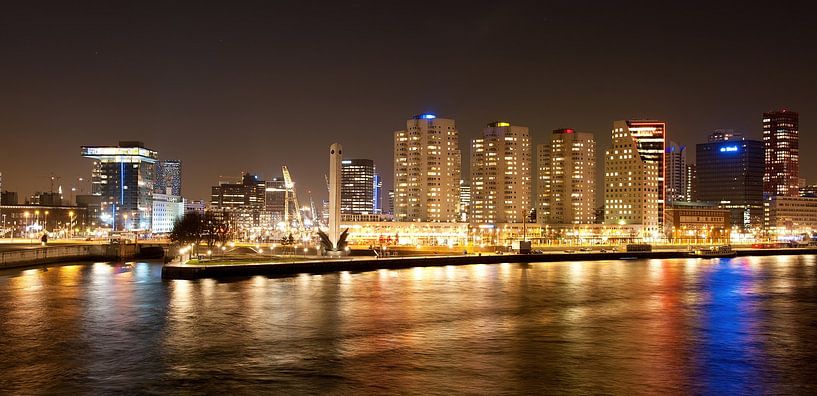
(214, 231)
(188, 230)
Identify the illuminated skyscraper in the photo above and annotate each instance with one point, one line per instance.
(168, 177)
(427, 167)
(500, 175)
(123, 175)
(566, 192)
(781, 140)
(730, 174)
(357, 186)
(634, 174)
(676, 159)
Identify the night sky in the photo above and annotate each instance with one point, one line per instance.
(250, 86)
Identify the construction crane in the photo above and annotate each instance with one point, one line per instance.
(289, 187)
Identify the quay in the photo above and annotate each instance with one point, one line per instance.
(354, 264)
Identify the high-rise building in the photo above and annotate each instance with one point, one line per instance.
(357, 186)
(427, 167)
(566, 192)
(390, 202)
(500, 175)
(168, 177)
(275, 195)
(676, 173)
(730, 174)
(633, 174)
(378, 193)
(691, 180)
(781, 139)
(465, 200)
(123, 175)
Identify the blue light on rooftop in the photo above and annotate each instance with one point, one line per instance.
(428, 116)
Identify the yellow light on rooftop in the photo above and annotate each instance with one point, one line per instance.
(503, 124)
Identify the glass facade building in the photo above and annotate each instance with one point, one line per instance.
(124, 175)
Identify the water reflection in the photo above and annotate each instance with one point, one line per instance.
(660, 326)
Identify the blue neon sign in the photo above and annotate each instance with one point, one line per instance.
(428, 116)
(729, 149)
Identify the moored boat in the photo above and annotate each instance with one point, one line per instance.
(724, 251)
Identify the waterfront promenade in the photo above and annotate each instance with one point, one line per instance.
(180, 270)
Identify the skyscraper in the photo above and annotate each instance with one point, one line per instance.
(566, 193)
(676, 173)
(500, 175)
(378, 193)
(730, 173)
(123, 175)
(633, 174)
(357, 186)
(781, 139)
(168, 177)
(427, 167)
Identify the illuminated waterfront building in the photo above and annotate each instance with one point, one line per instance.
(790, 216)
(378, 192)
(166, 210)
(427, 167)
(357, 186)
(730, 174)
(633, 174)
(781, 139)
(566, 171)
(500, 175)
(676, 173)
(123, 176)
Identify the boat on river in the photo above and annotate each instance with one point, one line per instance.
(724, 251)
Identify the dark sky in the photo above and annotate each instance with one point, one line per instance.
(234, 86)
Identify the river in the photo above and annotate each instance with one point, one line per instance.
(741, 326)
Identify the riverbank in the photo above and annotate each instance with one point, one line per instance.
(199, 271)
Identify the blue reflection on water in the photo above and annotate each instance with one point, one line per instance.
(729, 344)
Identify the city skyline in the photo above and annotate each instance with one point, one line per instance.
(224, 92)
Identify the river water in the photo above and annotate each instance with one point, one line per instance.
(739, 326)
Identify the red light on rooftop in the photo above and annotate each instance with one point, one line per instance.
(568, 131)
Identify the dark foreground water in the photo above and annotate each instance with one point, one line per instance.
(746, 325)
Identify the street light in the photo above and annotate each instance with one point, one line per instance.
(45, 228)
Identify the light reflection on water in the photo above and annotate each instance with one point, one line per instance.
(744, 325)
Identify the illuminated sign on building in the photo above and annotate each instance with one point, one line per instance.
(428, 116)
(729, 149)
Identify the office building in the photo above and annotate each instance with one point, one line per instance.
(730, 173)
(790, 216)
(633, 175)
(781, 139)
(676, 173)
(500, 175)
(465, 200)
(427, 168)
(566, 171)
(242, 203)
(168, 177)
(123, 176)
(691, 181)
(166, 210)
(275, 195)
(195, 206)
(357, 185)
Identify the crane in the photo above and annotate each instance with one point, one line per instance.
(289, 187)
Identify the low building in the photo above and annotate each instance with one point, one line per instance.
(697, 225)
(25, 220)
(166, 210)
(790, 215)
